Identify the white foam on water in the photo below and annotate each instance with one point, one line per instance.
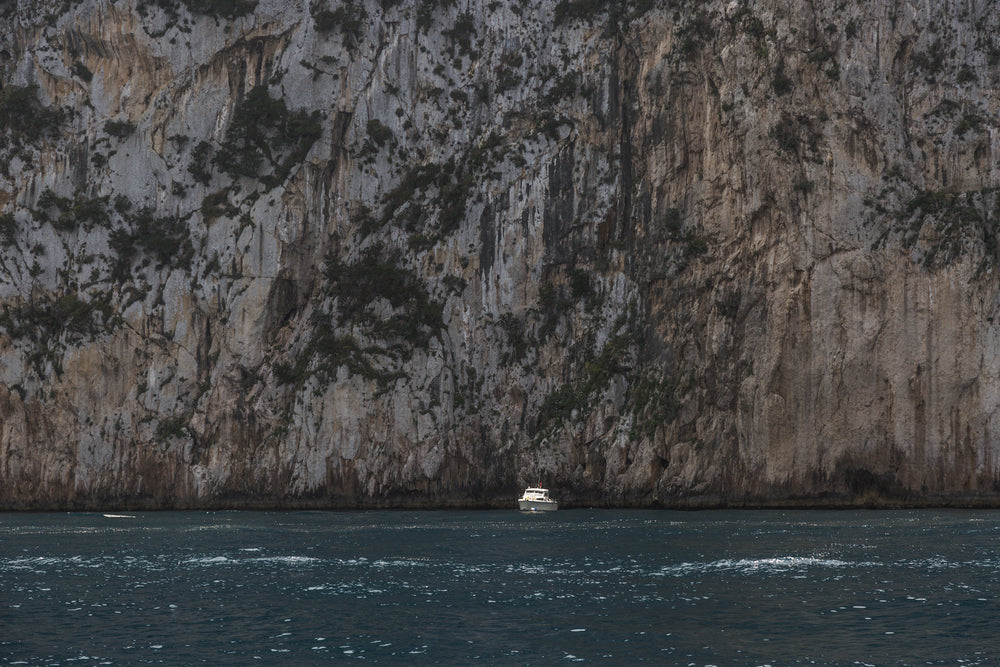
(266, 560)
(758, 565)
(935, 563)
(284, 560)
(395, 562)
(207, 560)
(48, 561)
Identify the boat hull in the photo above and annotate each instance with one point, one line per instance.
(537, 505)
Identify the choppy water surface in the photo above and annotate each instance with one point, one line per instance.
(617, 587)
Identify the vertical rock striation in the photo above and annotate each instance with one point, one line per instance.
(418, 252)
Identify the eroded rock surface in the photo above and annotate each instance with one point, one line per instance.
(418, 252)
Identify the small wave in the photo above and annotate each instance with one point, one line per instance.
(35, 562)
(394, 562)
(267, 560)
(757, 565)
(208, 560)
(284, 560)
(933, 563)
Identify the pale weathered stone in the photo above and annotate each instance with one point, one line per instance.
(732, 253)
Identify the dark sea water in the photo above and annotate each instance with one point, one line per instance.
(501, 587)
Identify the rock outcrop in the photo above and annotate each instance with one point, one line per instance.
(420, 252)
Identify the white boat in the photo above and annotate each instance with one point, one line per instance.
(536, 500)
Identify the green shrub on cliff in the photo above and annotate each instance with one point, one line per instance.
(377, 276)
(580, 10)
(379, 133)
(565, 86)
(560, 404)
(454, 183)
(349, 19)
(376, 300)
(462, 31)
(226, 8)
(166, 239)
(229, 9)
(781, 84)
(950, 224)
(8, 230)
(416, 180)
(199, 163)
(170, 428)
(695, 32)
(599, 371)
(82, 71)
(426, 9)
(50, 323)
(119, 128)
(66, 214)
(23, 119)
(264, 132)
(216, 205)
(653, 404)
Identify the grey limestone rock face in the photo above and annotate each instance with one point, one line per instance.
(419, 252)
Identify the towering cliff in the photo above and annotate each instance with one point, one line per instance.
(411, 252)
